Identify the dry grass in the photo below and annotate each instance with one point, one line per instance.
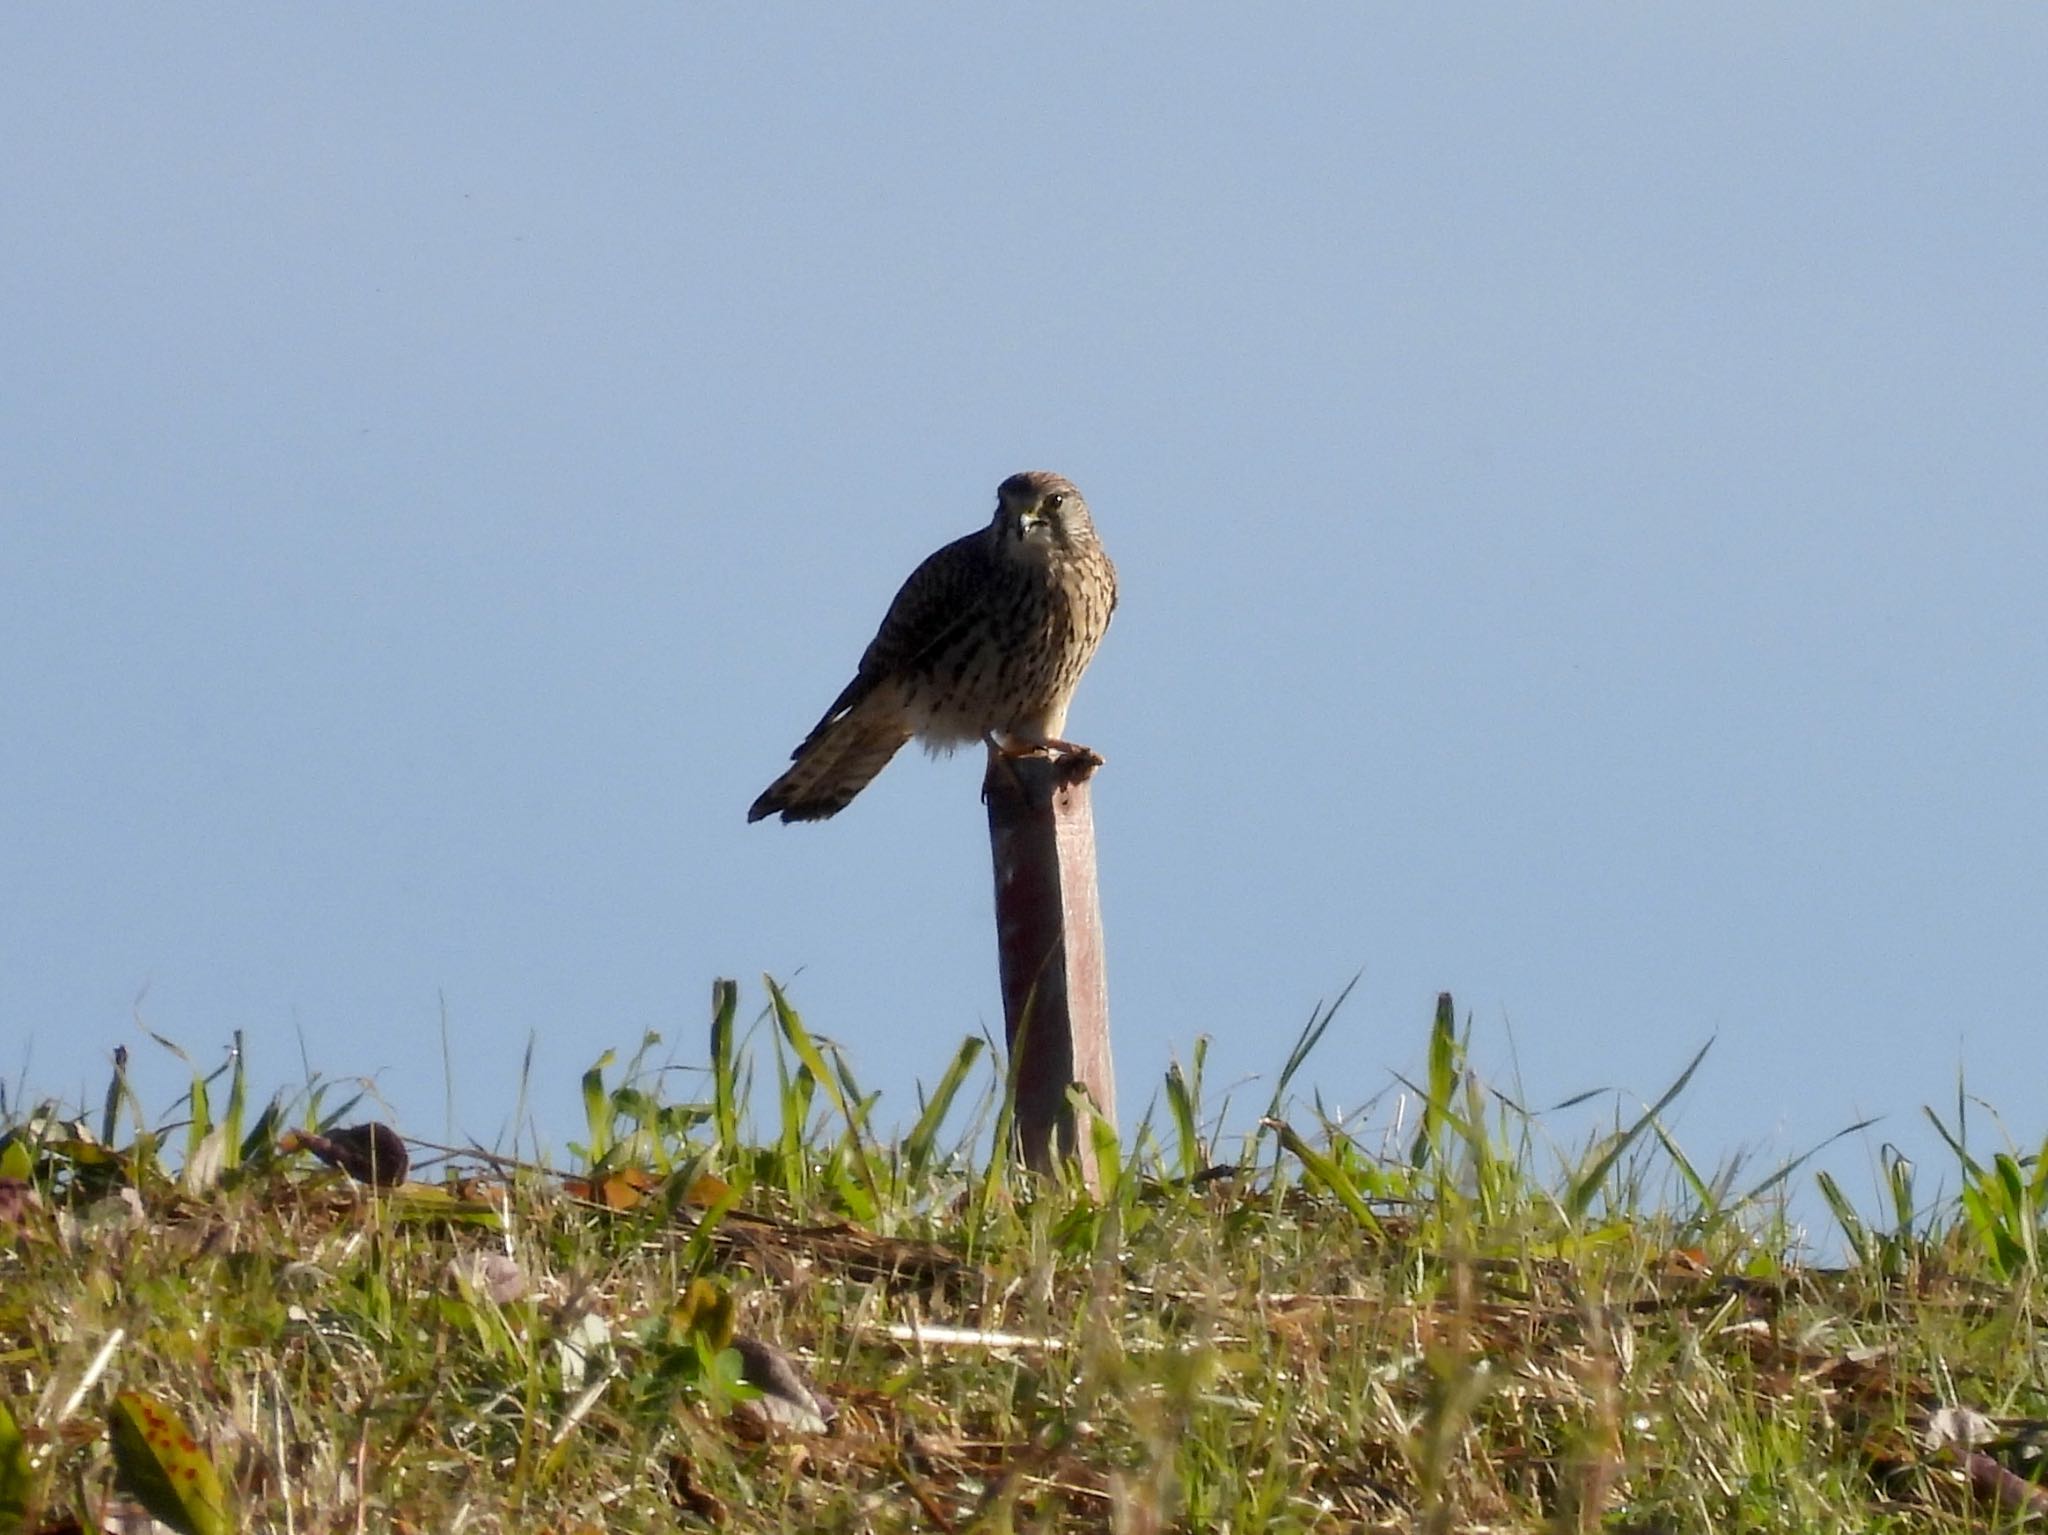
(1430, 1332)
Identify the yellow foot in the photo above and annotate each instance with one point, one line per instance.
(1003, 744)
(1072, 763)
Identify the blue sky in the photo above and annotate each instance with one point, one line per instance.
(1575, 471)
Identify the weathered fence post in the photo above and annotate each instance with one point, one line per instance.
(1049, 940)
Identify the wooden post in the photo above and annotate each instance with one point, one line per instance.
(1049, 940)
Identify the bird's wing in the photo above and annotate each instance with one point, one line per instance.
(929, 610)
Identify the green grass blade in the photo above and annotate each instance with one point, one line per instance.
(1854, 1232)
(238, 1098)
(1326, 1172)
(1001, 1143)
(1709, 1200)
(1579, 1193)
(725, 1114)
(201, 1123)
(260, 1144)
(1102, 1141)
(117, 1090)
(1444, 1069)
(918, 1146)
(1180, 1103)
(806, 1050)
(1898, 1177)
(1791, 1167)
(1312, 1032)
(597, 1116)
(1955, 1142)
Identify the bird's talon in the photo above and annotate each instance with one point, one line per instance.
(1075, 765)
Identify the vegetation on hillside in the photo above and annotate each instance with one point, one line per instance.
(718, 1317)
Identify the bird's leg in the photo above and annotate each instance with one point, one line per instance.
(1006, 744)
(1004, 749)
(1064, 749)
(1074, 760)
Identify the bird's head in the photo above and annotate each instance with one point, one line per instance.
(1040, 512)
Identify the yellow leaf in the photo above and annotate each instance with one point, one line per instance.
(159, 1464)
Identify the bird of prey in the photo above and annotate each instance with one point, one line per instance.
(985, 642)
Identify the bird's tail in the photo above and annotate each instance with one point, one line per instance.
(831, 767)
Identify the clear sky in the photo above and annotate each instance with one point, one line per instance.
(1577, 475)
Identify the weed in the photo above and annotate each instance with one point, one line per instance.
(784, 1320)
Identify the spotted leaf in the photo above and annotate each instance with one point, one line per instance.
(159, 1464)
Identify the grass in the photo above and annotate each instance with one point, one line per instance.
(1434, 1324)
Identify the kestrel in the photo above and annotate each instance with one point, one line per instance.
(985, 642)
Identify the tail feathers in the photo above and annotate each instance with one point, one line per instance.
(832, 766)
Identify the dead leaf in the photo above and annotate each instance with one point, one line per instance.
(684, 1492)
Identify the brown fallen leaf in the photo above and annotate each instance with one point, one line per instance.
(627, 1188)
(684, 1492)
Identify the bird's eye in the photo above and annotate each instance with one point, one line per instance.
(1055, 501)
